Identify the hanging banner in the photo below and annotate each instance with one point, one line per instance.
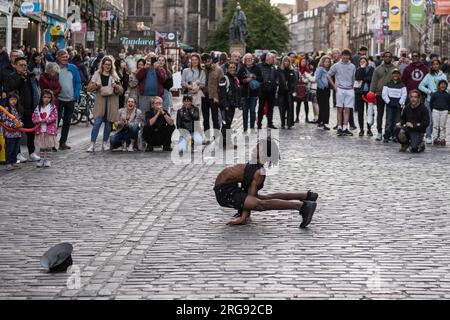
(395, 15)
(417, 12)
(442, 7)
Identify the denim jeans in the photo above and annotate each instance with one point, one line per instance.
(183, 144)
(167, 100)
(12, 149)
(96, 129)
(249, 106)
(429, 131)
(124, 136)
(392, 118)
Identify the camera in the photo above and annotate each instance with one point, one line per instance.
(154, 59)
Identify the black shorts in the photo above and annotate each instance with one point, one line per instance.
(230, 196)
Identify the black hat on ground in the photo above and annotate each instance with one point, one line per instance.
(58, 258)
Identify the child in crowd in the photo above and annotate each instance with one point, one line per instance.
(394, 95)
(46, 114)
(11, 123)
(440, 106)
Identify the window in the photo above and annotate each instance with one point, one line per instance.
(139, 8)
(131, 7)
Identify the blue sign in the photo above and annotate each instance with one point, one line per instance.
(30, 8)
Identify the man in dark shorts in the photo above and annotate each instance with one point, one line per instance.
(237, 187)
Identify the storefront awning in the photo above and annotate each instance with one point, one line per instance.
(56, 17)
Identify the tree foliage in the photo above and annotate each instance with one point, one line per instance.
(266, 27)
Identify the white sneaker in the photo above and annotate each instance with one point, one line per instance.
(34, 157)
(131, 148)
(47, 163)
(40, 164)
(21, 158)
(124, 147)
(91, 148)
(105, 146)
(428, 140)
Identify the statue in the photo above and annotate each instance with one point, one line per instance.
(238, 26)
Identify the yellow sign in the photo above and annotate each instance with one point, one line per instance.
(57, 30)
(395, 15)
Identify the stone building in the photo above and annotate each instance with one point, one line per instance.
(192, 19)
(319, 28)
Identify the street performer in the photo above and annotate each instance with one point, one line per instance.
(251, 177)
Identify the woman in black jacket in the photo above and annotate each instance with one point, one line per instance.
(248, 75)
(124, 76)
(363, 78)
(286, 88)
(229, 98)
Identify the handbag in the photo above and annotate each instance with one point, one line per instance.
(302, 92)
(106, 91)
(254, 85)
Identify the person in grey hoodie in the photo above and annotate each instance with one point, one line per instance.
(381, 77)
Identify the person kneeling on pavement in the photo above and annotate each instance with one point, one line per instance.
(159, 127)
(186, 118)
(414, 122)
(127, 132)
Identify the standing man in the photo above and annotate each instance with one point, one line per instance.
(414, 73)
(6, 70)
(268, 89)
(20, 81)
(380, 78)
(210, 102)
(70, 81)
(344, 73)
(362, 53)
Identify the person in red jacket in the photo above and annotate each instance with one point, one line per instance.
(414, 73)
(49, 80)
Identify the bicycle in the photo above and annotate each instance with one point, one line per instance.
(84, 109)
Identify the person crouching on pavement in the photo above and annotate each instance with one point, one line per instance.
(440, 106)
(130, 118)
(159, 126)
(186, 118)
(394, 95)
(413, 125)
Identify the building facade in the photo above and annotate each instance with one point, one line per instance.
(320, 28)
(191, 19)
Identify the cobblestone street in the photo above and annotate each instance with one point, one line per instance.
(144, 228)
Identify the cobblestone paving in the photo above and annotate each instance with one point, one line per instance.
(144, 228)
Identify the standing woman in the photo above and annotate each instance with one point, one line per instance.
(304, 74)
(429, 85)
(106, 83)
(287, 84)
(248, 75)
(323, 92)
(168, 83)
(133, 82)
(124, 77)
(363, 78)
(312, 92)
(193, 80)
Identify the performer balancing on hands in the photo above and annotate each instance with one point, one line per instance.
(237, 187)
